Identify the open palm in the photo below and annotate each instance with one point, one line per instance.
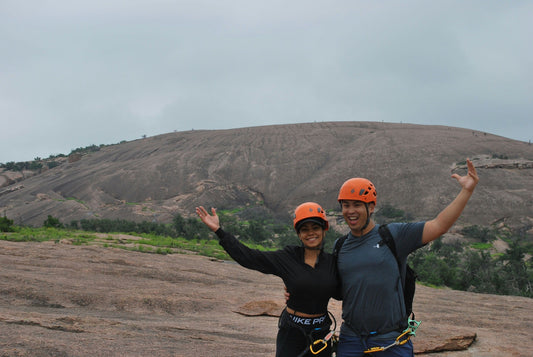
(470, 180)
(211, 221)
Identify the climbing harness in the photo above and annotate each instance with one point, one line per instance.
(410, 331)
(321, 344)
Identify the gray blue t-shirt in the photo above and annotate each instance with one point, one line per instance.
(371, 284)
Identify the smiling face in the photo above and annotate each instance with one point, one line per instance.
(356, 216)
(311, 234)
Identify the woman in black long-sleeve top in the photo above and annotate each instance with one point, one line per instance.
(309, 274)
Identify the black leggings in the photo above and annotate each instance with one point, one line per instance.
(296, 334)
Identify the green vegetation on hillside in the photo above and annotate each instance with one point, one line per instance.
(38, 163)
(6, 225)
(387, 214)
(471, 269)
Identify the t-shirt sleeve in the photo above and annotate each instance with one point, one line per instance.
(407, 237)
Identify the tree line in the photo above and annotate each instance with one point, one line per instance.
(37, 163)
(460, 267)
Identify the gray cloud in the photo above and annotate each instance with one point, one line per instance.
(82, 73)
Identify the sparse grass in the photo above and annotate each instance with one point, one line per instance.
(167, 245)
(148, 243)
(431, 285)
(25, 234)
(75, 199)
(232, 211)
(481, 246)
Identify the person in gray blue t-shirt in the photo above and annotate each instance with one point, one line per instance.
(373, 307)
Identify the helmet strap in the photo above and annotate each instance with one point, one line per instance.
(367, 218)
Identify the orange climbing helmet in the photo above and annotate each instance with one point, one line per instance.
(310, 212)
(358, 189)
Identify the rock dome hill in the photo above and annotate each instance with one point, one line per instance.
(278, 167)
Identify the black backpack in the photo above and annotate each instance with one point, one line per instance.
(410, 274)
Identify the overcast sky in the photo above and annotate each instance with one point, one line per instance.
(76, 73)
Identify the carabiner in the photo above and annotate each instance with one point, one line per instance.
(396, 342)
(375, 349)
(320, 350)
(406, 332)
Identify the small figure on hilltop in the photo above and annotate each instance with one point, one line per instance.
(309, 273)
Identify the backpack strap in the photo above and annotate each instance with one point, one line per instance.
(338, 245)
(386, 237)
(409, 285)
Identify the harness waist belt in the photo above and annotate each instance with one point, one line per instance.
(307, 321)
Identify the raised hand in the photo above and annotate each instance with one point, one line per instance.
(470, 180)
(210, 221)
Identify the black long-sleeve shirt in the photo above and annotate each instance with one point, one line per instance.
(310, 288)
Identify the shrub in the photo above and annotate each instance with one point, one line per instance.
(388, 213)
(52, 222)
(52, 164)
(6, 224)
(484, 234)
